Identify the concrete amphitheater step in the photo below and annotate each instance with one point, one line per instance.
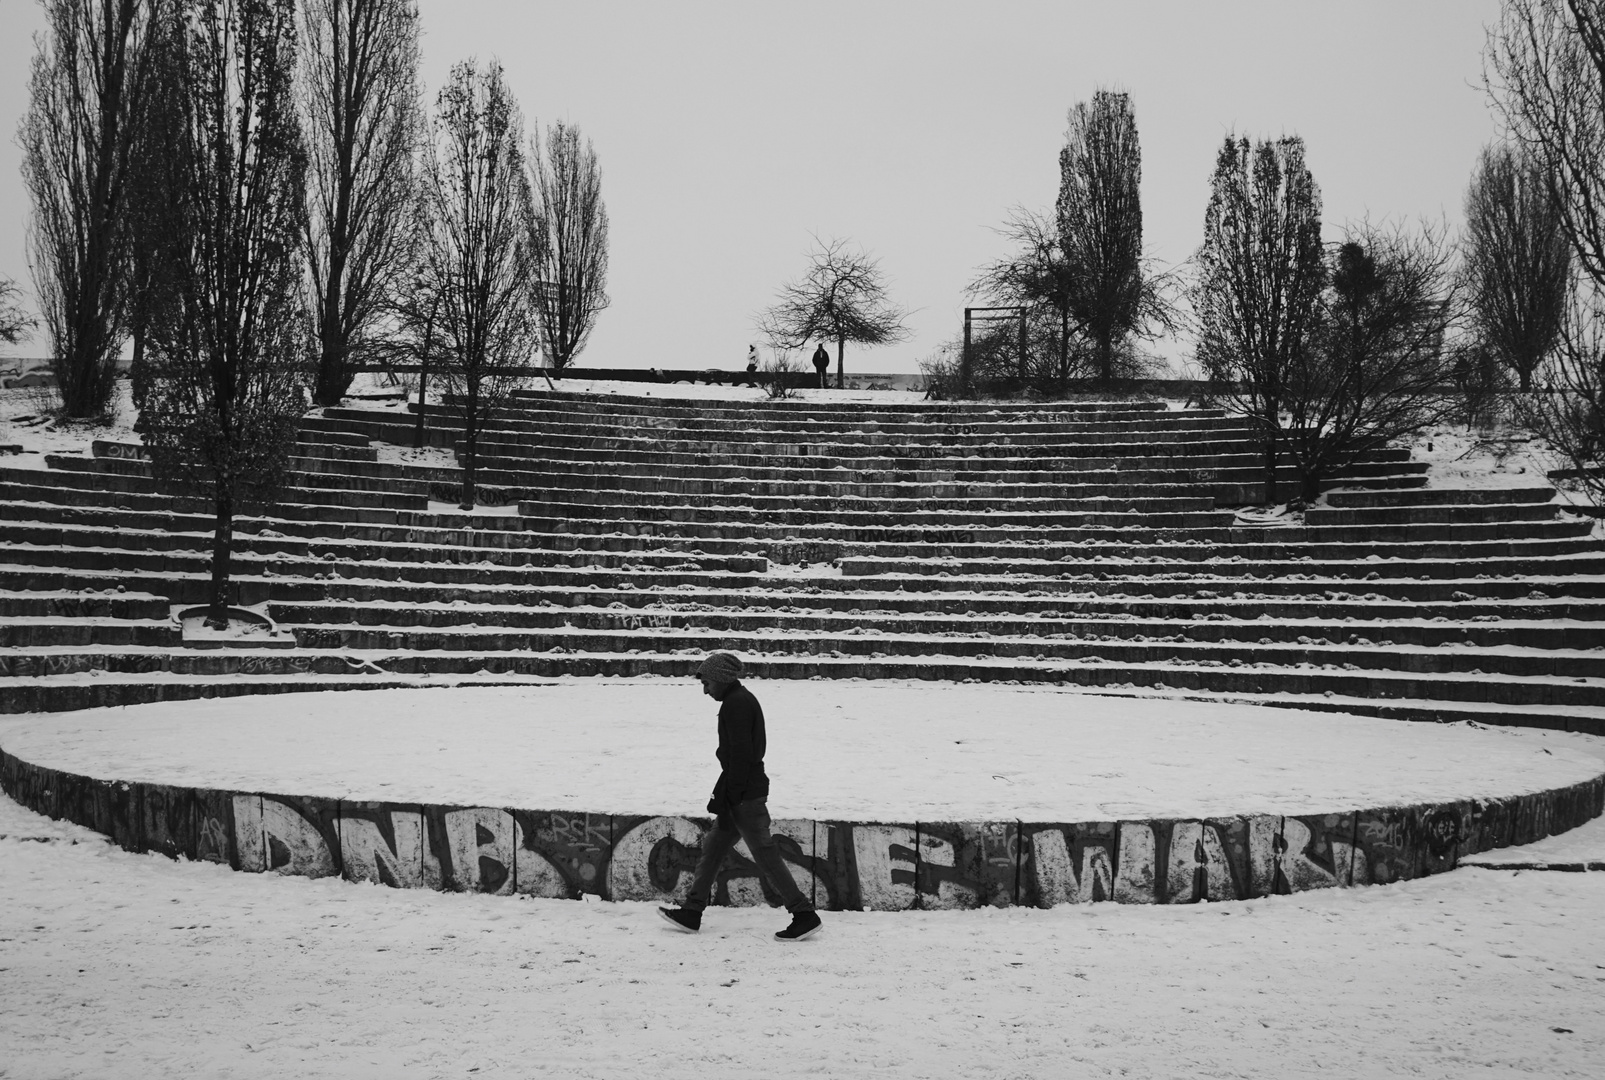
(134, 477)
(1508, 588)
(35, 630)
(1492, 696)
(86, 492)
(1430, 513)
(906, 478)
(1498, 554)
(642, 404)
(658, 635)
(647, 568)
(315, 551)
(104, 688)
(1379, 623)
(1348, 499)
(948, 438)
(82, 603)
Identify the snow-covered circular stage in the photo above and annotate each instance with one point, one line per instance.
(885, 794)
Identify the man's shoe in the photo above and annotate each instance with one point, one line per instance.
(803, 924)
(683, 918)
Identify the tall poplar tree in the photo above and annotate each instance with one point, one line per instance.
(221, 386)
(477, 249)
(570, 242)
(1261, 274)
(359, 105)
(1100, 224)
(1516, 261)
(79, 138)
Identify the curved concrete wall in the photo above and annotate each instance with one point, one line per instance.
(844, 865)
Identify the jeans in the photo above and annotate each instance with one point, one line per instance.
(749, 821)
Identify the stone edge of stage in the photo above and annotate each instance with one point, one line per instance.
(874, 866)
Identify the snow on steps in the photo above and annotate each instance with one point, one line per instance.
(1091, 545)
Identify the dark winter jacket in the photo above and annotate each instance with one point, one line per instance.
(741, 749)
(821, 358)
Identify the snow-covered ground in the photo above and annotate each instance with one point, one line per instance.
(118, 965)
(838, 750)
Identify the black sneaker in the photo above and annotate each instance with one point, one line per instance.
(683, 918)
(803, 924)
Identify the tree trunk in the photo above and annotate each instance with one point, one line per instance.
(1106, 359)
(1064, 345)
(423, 386)
(1310, 487)
(841, 377)
(334, 378)
(222, 543)
(470, 453)
(1270, 468)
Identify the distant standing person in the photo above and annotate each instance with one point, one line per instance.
(740, 805)
(752, 363)
(822, 364)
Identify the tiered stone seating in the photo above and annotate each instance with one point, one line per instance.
(1092, 544)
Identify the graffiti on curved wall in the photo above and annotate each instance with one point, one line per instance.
(841, 865)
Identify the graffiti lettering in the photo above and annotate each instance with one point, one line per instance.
(120, 451)
(647, 620)
(870, 865)
(388, 850)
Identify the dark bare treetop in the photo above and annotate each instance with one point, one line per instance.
(1516, 260)
(221, 385)
(1569, 414)
(1260, 275)
(1545, 70)
(841, 298)
(79, 137)
(570, 241)
(1544, 67)
(477, 251)
(1036, 277)
(359, 106)
(15, 322)
(1100, 228)
(1376, 367)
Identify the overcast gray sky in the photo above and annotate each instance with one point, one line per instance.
(728, 132)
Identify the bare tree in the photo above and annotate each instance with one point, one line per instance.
(1545, 71)
(1036, 277)
(1516, 260)
(1569, 410)
(221, 386)
(1377, 367)
(15, 322)
(570, 242)
(1261, 272)
(841, 298)
(477, 252)
(359, 103)
(1099, 212)
(78, 137)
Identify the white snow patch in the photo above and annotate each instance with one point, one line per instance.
(837, 749)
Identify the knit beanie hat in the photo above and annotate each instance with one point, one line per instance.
(720, 667)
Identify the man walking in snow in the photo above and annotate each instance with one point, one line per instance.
(740, 804)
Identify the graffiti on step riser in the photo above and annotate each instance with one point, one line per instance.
(120, 451)
(877, 866)
(275, 665)
(645, 621)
